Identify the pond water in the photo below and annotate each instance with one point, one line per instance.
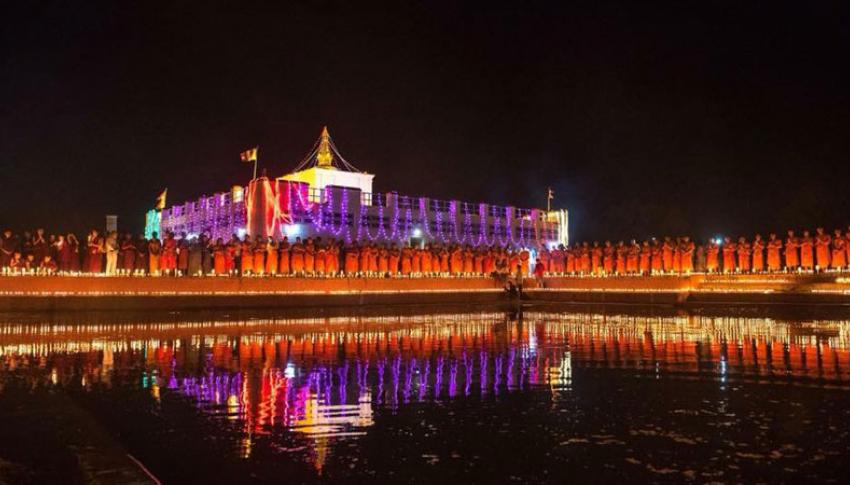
(483, 396)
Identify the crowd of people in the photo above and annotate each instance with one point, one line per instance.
(114, 254)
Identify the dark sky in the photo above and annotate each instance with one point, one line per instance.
(647, 118)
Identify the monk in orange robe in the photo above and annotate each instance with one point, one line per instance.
(406, 261)
(822, 246)
(456, 262)
(426, 259)
(544, 257)
(364, 258)
(622, 250)
(792, 246)
(319, 259)
(373, 259)
(570, 260)
(584, 259)
(233, 248)
(744, 252)
(383, 260)
(153, 249)
(468, 261)
(677, 255)
(774, 249)
(247, 259)
(272, 257)
(525, 261)
(657, 257)
(712, 257)
(168, 257)
(730, 251)
(296, 257)
(686, 258)
(667, 252)
(393, 259)
(645, 256)
(309, 256)
(758, 254)
(488, 263)
(596, 258)
(444, 260)
(608, 258)
(838, 247)
(632, 257)
(557, 260)
(332, 259)
(416, 261)
(478, 262)
(283, 257)
(807, 253)
(259, 256)
(513, 262)
(351, 256)
(220, 257)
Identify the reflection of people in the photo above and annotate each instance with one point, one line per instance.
(539, 270)
(518, 277)
(111, 247)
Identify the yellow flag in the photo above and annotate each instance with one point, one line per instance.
(249, 155)
(160, 201)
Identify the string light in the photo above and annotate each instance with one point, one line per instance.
(453, 218)
(423, 215)
(467, 225)
(482, 226)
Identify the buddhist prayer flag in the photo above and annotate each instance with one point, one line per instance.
(160, 200)
(249, 155)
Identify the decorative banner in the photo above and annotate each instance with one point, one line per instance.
(271, 205)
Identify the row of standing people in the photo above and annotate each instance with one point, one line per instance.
(267, 256)
(248, 256)
(191, 256)
(820, 252)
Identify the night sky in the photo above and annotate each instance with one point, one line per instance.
(647, 118)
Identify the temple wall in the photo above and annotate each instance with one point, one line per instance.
(280, 208)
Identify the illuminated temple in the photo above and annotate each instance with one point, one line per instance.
(326, 196)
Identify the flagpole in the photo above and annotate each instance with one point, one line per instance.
(255, 169)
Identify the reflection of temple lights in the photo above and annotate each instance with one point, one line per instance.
(233, 407)
(323, 378)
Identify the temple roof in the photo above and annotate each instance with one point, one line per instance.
(324, 154)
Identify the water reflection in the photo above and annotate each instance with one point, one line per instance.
(326, 379)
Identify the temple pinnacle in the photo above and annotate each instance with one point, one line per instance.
(325, 156)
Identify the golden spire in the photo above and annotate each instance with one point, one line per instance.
(325, 156)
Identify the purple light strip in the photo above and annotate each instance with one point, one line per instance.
(423, 215)
(408, 223)
(453, 218)
(467, 225)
